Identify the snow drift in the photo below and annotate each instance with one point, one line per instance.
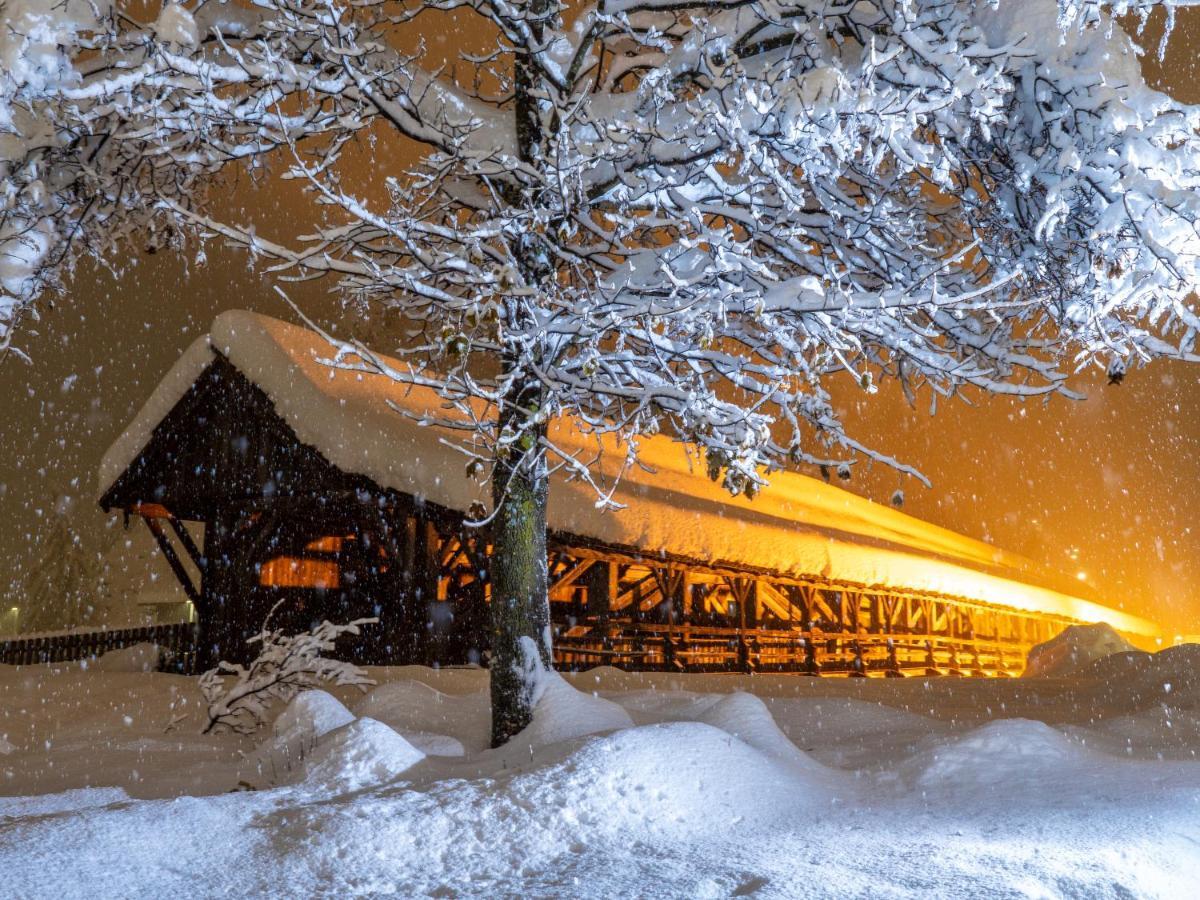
(562, 713)
(362, 754)
(696, 786)
(1073, 649)
(439, 723)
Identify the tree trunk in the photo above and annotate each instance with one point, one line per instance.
(520, 605)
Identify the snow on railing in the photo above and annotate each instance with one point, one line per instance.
(176, 643)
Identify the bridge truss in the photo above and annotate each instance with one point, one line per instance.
(623, 607)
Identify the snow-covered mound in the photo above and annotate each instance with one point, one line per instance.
(678, 776)
(746, 717)
(740, 714)
(1169, 678)
(1003, 753)
(279, 759)
(311, 714)
(138, 658)
(440, 724)
(563, 713)
(1074, 648)
(363, 754)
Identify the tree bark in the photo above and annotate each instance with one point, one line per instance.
(520, 604)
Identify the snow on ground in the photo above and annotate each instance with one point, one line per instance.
(1074, 648)
(652, 785)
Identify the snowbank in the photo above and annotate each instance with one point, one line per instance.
(678, 776)
(564, 713)
(440, 724)
(1073, 649)
(311, 714)
(1172, 674)
(362, 754)
(746, 717)
(675, 785)
(455, 724)
(1001, 754)
(138, 658)
(308, 717)
(739, 713)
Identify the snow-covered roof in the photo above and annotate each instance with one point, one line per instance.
(798, 526)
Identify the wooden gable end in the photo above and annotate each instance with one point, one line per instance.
(224, 444)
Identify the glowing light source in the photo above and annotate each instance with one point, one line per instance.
(331, 544)
(298, 572)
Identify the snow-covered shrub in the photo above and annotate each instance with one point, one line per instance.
(286, 665)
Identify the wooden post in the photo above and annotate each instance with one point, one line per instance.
(217, 612)
(811, 666)
(600, 584)
(930, 660)
(670, 661)
(745, 591)
(893, 665)
(424, 591)
(860, 667)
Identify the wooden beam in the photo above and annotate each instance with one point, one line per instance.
(181, 573)
(572, 574)
(633, 595)
(600, 581)
(189, 545)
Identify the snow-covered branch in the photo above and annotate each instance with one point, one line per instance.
(646, 215)
(286, 665)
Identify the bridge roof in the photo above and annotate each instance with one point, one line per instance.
(799, 527)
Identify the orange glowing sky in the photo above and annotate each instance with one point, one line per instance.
(1107, 488)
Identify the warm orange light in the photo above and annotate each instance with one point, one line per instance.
(151, 510)
(331, 544)
(296, 571)
(717, 601)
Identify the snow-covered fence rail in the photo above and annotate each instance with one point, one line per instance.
(176, 643)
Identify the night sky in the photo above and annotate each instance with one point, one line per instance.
(1107, 488)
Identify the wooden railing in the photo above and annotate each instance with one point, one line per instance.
(176, 643)
(689, 648)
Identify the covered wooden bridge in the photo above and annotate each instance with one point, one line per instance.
(275, 478)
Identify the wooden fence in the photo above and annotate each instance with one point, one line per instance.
(646, 647)
(176, 643)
